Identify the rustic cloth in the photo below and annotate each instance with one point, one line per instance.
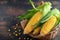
(49, 36)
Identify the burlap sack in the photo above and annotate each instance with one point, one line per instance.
(49, 36)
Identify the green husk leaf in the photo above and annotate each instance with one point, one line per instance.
(44, 8)
(57, 14)
(27, 15)
(47, 17)
(32, 3)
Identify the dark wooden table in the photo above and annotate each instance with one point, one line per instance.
(9, 10)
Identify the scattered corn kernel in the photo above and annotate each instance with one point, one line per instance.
(9, 34)
(19, 38)
(16, 25)
(15, 31)
(9, 30)
(16, 34)
(27, 38)
(19, 33)
(19, 30)
(15, 28)
(30, 39)
(24, 38)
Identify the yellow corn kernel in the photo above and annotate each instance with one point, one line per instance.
(36, 31)
(30, 26)
(48, 26)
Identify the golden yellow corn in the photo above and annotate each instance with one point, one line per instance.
(48, 26)
(30, 26)
(36, 31)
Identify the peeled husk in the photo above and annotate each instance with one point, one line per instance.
(49, 36)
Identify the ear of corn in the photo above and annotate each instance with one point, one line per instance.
(36, 31)
(30, 26)
(48, 26)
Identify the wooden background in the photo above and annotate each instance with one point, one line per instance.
(10, 9)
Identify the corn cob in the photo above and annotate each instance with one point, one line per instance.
(30, 26)
(48, 26)
(36, 31)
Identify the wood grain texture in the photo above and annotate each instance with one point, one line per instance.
(9, 10)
